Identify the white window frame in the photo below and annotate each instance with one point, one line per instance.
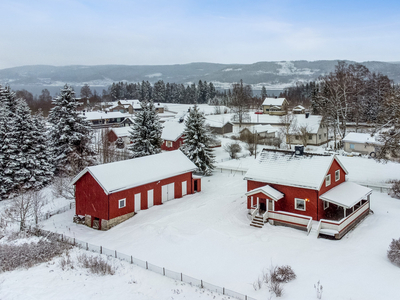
(326, 204)
(295, 204)
(328, 180)
(310, 136)
(337, 175)
(169, 144)
(351, 146)
(121, 203)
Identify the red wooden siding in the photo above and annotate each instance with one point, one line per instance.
(175, 145)
(112, 137)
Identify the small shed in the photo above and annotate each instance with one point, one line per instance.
(299, 109)
(111, 193)
(120, 132)
(262, 131)
(172, 135)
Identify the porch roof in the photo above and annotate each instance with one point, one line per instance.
(346, 194)
(268, 191)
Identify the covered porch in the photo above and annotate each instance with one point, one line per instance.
(345, 206)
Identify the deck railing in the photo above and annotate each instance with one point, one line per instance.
(344, 223)
(291, 219)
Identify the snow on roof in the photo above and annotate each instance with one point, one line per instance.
(261, 128)
(126, 174)
(313, 122)
(306, 171)
(361, 138)
(98, 115)
(218, 121)
(274, 101)
(299, 107)
(172, 130)
(346, 194)
(122, 131)
(134, 102)
(267, 190)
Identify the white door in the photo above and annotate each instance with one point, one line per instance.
(184, 188)
(171, 191)
(150, 198)
(137, 202)
(167, 192)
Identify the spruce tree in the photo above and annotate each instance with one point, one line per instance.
(197, 140)
(146, 131)
(70, 135)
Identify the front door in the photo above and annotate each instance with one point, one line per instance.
(263, 206)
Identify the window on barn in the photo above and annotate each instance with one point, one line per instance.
(337, 175)
(121, 203)
(299, 204)
(328, 180)
(326, 204)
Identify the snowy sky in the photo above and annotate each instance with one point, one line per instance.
(136, 32)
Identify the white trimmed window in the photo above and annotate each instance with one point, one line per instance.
(328, 180)
(326, 204)
(121, 203)
(299, 204)
(337, 175)
(169, 144)
(310, 137)
(352, 146)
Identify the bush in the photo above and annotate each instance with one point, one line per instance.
(282, 274)
(96, 264)
(395, 189)
(233, 149)
(394, 252)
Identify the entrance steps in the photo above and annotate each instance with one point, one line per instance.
(257, 222)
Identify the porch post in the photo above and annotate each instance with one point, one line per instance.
(258, 202)
(344, 212)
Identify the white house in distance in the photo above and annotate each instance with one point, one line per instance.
(299, 109)
(362, 143)
(262, 131)
(317, 133)
(275, 106)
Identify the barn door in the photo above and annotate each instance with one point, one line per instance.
(164, 193)
(150, 198)
(137, 202)
(184, 188)
(167, 192)
(171, 191)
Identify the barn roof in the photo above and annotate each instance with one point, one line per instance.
(172, 130)
(126, 174)
(306, 171)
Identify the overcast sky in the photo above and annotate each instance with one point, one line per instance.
(67, 32)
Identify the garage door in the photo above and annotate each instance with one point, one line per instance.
(167, 192)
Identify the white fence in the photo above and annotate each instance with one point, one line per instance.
(144, 264)
(58, 211)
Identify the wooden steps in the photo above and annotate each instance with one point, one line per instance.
(257, 222)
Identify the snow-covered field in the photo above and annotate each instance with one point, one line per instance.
(207, 236)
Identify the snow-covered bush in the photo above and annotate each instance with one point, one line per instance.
(26, 255)
(96, 264)
(318, 288)
(394, 252)
(274, 278)
(233, 149)
(395, 189)
(282, 274)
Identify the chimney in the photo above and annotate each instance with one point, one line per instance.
(299, 150)
(307, 114)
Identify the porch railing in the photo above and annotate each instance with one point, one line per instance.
(291, 219)
(338, 227)
(254, 212)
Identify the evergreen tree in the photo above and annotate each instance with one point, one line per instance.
(146, 131)
(69, 135)
(197, 141)
(263, 93)
(159, 91)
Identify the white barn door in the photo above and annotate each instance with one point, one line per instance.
(167, 192)
(150, 198)
(138, 205)
(184, 188)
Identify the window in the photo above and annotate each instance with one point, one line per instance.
(169, 144)
(326, 204)
(328, 180)
(324, 134)
(337, 175)
(310, 137)
(320, 136)
(299, 204)
(296, 137)
(121, 203)
(351, 146)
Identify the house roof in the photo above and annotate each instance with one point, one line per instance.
(122, 131)
(98, 115)
(306, 171)
(299, 107)
(312, 122)
(260, 128)
(268, 191)
(126, 174)
(274, 101)
(360, 138)
(218, 121)
(346, 194)
(135, 103)
(172, 130)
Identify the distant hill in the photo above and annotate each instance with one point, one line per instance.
(274, 75)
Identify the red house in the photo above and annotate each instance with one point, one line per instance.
(291, 189)
(109, 194)
(172, 135)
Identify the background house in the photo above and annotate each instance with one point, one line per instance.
(362, 143)
(308, 129)
(111, 193)
(120, 132)
(172, 135)
(261, 131)
(275, 106)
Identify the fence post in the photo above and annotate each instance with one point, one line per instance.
(131, 259)
(115, 253)
(74, 241)
(87, 246)
(181, 277)
(101, 249)
(147, 266)
(201, 284)
(223, 291)
(163, 270)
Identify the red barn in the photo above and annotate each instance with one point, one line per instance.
(109, 194)
(172, 135)
(289, 189)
